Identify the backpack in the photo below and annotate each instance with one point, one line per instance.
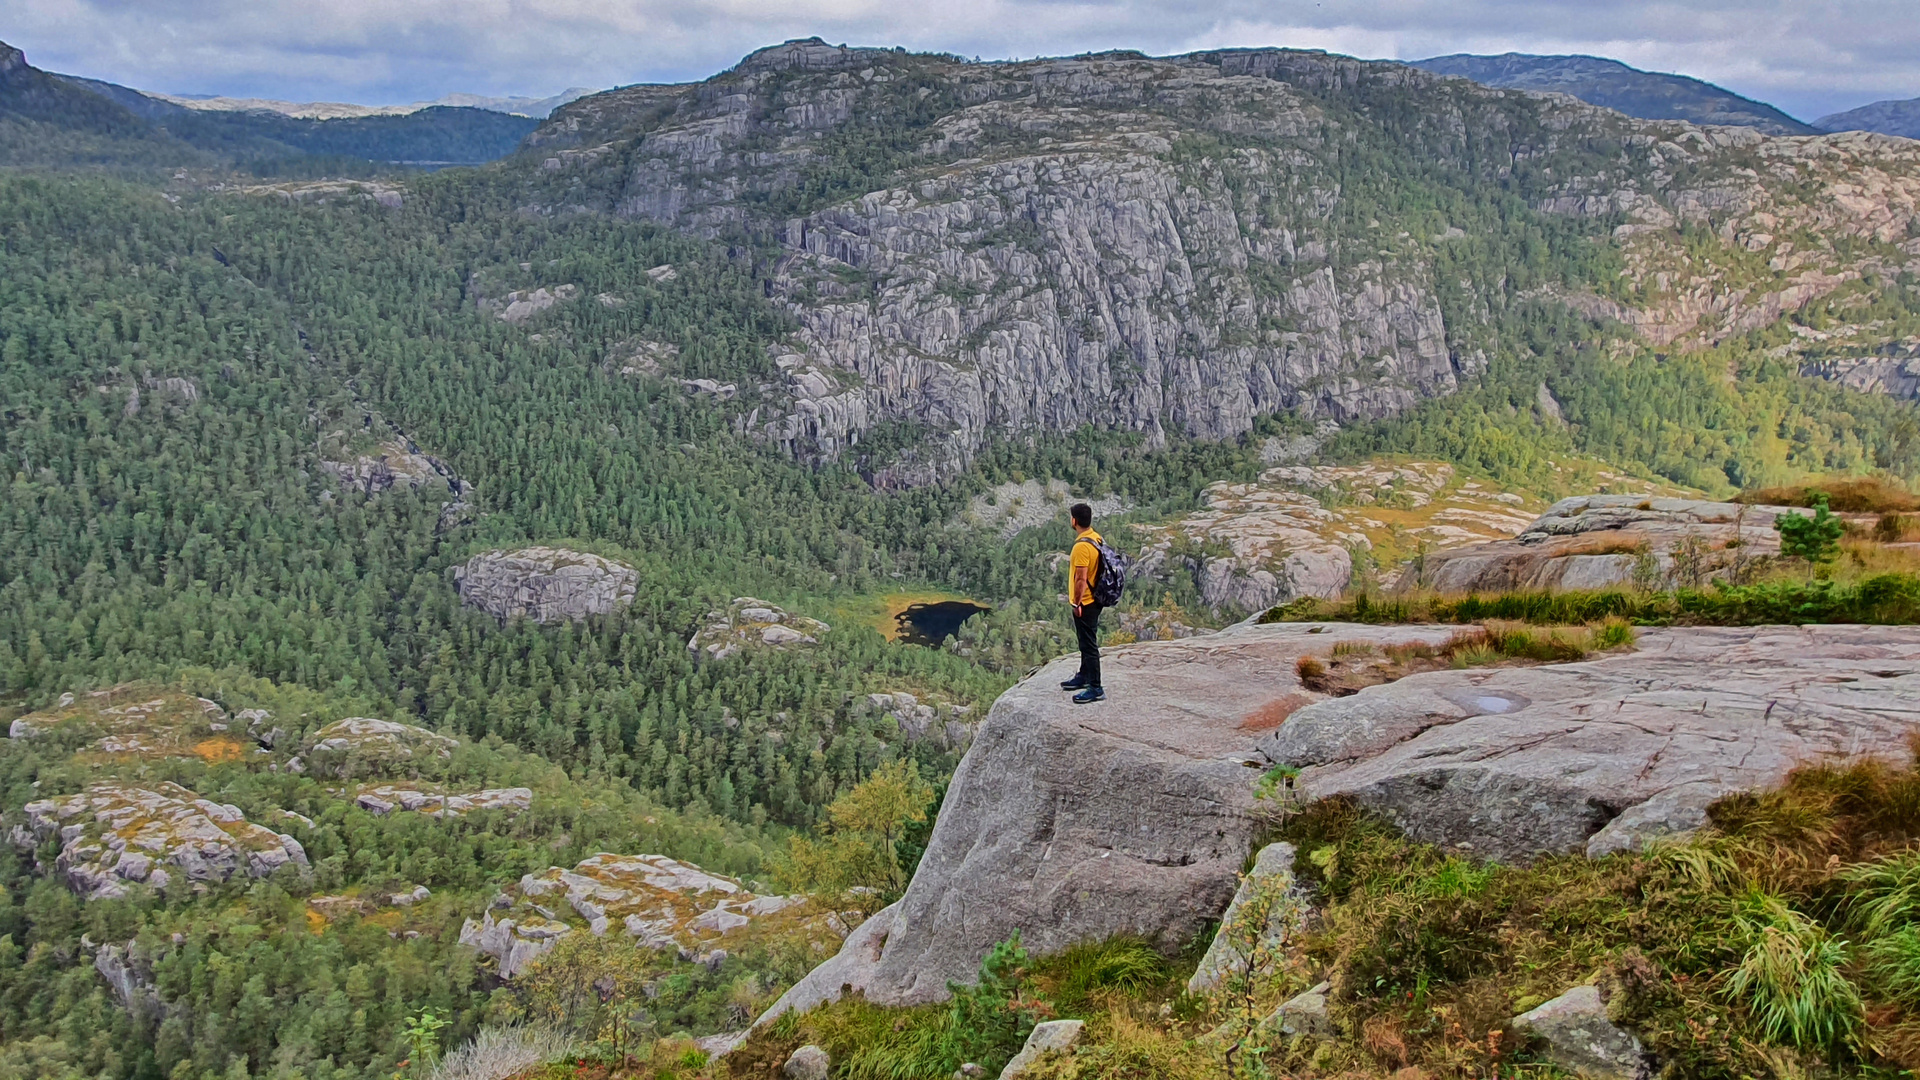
(1110, 577)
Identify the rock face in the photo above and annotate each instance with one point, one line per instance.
(1607, 754)
(662, 902)
(360, 745)
(1598, 541)
(1893, 376)
(1296, 530)
(1155, 244)
(1580, 1039)
(114, 836)
(747, 624)
(545, 584)
(521, 305)
(1070, 823)
(395, 464)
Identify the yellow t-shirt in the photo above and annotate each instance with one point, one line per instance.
(1087, 557)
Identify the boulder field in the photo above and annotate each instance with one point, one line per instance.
(1069, 823)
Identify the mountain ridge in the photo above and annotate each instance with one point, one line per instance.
(1598, 80)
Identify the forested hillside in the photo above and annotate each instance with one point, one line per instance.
(200, 375)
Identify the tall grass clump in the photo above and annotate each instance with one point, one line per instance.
(1792, 978)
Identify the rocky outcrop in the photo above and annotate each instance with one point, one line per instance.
(114, 836)
(545, 584)
(521, 305)
(1297, 530)
(395, 464)
(383, 799)
(1608, 754)
(747, 623)
(1070, 823)
(664, 903)
(1016, 506)
(360, 746)
(1597, 541)
(143, 722)
(1897, 377)
(947, 724)
(1579, 1038)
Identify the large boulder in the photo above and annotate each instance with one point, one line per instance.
(545, 584)
(1070, 823)
(1607, 754)
(114, 836)
(1597, 541)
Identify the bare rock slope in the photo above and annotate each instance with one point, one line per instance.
(1135, 816)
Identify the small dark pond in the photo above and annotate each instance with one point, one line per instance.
(931, 624)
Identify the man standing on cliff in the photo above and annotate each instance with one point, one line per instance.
(1082, 569)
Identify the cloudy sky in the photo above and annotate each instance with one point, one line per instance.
(1810, 57)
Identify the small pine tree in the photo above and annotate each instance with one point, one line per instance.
(1815, 539)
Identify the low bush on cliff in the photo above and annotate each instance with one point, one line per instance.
(1886, 599)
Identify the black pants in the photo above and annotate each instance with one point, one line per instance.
(1086, 628)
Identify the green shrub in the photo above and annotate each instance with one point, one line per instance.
(1127, 965)
(1815, 539)
(990, 1020)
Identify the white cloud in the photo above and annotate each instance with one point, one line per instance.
(1809, 57)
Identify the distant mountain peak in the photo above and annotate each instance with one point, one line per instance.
(1610, 84)
(1900, 118)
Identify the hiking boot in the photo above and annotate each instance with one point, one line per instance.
(1090, 695)
(1074, 683)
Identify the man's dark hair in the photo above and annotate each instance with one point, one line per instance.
(1082, 515)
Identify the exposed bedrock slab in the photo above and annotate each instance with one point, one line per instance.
(1071, 823)
(1605, 755)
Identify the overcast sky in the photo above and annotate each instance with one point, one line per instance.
(1809, 57)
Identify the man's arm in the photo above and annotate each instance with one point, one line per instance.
(1079, 586)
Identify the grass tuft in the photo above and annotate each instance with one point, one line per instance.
(1792, 978)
